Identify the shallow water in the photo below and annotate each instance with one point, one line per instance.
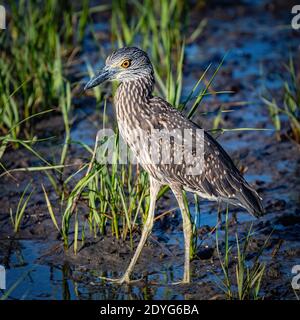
(37, 280)
(33, 280)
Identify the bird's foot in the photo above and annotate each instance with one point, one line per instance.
(180, 282)
(122, 280)
(185, 280)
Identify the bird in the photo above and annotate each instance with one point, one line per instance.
(210, 173)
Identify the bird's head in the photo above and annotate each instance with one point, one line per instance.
(125, 64)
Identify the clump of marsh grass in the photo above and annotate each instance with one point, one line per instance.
(17, 217)
(33, 49)
(241, 279)
(288, 108)
(114, 195)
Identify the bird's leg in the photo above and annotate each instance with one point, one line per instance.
(154, 189)
(219, 214)
(187, 230)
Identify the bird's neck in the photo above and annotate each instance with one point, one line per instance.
(132, 95)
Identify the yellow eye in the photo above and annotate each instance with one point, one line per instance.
(125, 64)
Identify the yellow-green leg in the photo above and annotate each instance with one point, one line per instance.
(154, 189)
(187, 230)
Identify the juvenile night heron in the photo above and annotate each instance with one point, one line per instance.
(138, 114)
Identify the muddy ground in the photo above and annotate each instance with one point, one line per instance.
(259, 39)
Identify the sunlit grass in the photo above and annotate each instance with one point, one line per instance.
(244, 282)
(289, 106)
(16, 218)
(34, 47)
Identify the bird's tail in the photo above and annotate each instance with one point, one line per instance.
(250, 200)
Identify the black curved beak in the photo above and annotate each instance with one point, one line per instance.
(102, 76)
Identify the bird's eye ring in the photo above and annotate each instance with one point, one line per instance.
(125, 64)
